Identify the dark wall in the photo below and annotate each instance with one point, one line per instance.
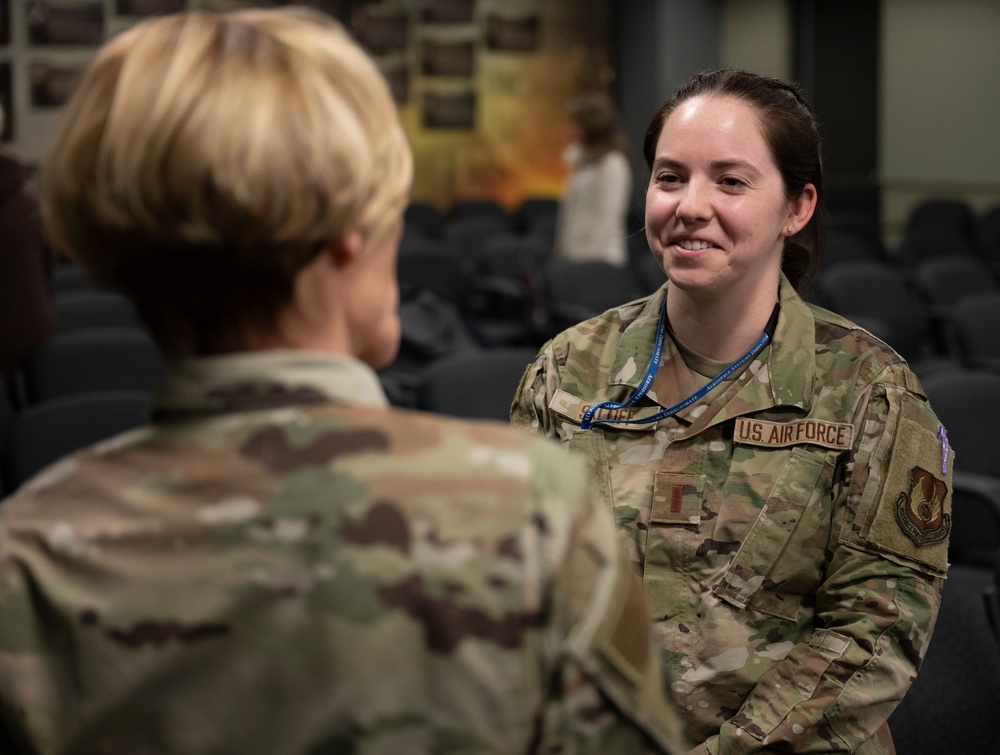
(658, 43)
(837, 62)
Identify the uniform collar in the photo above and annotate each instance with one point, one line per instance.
(791, 360)
(783, 374)
(252, 381)
(635, 347)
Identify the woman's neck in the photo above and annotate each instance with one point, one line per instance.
(723, 329)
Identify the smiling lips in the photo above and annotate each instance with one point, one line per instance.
(692, 246)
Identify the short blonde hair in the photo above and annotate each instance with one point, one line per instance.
(203, 150)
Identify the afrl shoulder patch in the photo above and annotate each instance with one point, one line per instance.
(913, 516)
(920, 510)
(817, 432)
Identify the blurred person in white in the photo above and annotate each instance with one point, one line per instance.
(594, 207)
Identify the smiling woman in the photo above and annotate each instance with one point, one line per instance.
(768, 459)
(717, 216)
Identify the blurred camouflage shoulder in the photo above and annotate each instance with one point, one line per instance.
(389, 575)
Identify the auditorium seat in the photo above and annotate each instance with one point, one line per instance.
(846, 247)
(858, 222)
(988, 235)
(83, 309)
(929, 242)
(992, 598)
(433, 270)
(944, 281)
(576, 291)
(68, 277)
(42, 433)
(466, 235)
(414, 242)
(636, 241)
(474, 384)
(950, 704)
(510, 255)
(976, 325)
(480, 208)
(537, 216)
(952, 215)
(967, 402)
(649, 276)
(98, 359)
(423, 218)
(880, 292)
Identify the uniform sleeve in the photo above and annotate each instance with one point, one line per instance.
(605, 678)
(879, 600)
(529, 410)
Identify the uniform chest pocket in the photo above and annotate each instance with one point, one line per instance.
(780, 560)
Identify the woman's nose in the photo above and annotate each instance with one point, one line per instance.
(693, 204)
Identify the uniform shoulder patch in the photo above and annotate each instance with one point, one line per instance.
(913, 517)
(920, 510)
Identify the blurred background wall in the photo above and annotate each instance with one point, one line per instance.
(908, 90)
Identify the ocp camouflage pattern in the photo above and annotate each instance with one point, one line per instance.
(280, 563)
(791, 527)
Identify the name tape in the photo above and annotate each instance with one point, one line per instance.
(760, 432)
(572, 408)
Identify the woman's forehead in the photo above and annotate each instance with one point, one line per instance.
(714, 122)
(720, 111)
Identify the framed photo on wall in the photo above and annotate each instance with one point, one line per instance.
(397, 75)
(51, 85)
(148, 7)
(337, 8)
(446, 11)
(447, 57)
(512, 34)
(381, 30)
(7, 101)
(65, 24)
(449, 109)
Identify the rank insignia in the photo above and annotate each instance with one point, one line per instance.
(920, 512)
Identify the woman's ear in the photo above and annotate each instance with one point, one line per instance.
(800, 209)
(345, 249)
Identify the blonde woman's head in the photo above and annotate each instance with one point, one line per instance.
(204, 159)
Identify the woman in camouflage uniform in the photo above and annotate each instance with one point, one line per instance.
(280, 562)
(781, 475)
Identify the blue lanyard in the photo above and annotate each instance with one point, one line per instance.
(588, 421)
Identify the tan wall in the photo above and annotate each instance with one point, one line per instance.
(939, 105)
(756, 34)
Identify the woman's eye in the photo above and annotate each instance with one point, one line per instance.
(668, 178)
(733, 183)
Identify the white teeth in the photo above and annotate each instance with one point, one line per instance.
(694, 245)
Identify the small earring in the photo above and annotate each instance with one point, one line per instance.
(790, 229)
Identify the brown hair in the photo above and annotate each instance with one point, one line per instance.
(600, 126)
(205, 158)
(791, 130)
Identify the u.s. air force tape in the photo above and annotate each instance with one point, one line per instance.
(760, 432)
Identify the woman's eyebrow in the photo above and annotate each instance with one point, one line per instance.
(661, 163)
(717, 166)
(735, 164)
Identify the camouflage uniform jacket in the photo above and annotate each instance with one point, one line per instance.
(791, 527)
(280, 563)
